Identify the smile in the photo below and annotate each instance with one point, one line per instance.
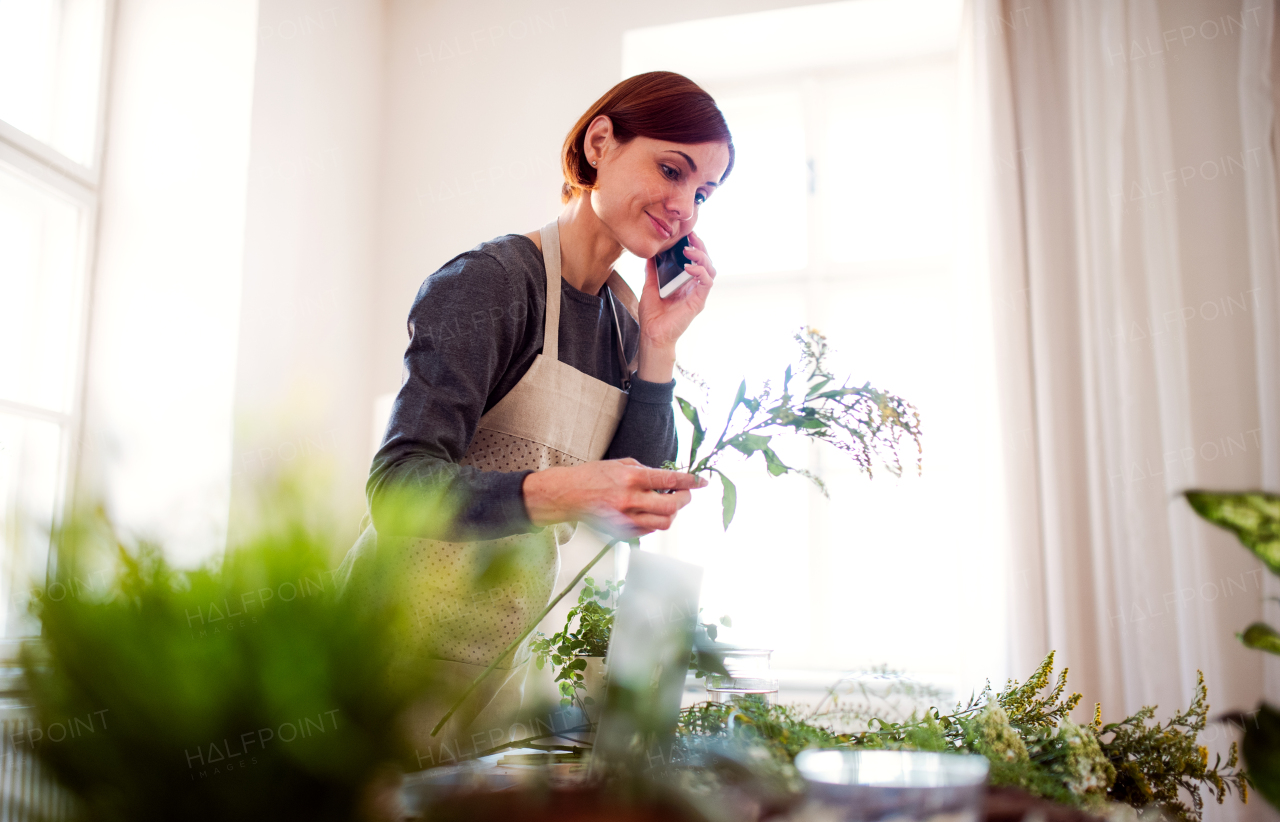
(662, 230)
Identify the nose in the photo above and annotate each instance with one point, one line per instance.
(680, 205)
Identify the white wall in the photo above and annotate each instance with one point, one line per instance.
(166, 290)
(303, 393)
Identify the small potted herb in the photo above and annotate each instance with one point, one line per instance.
(578, 651)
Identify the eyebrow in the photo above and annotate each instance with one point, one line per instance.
(692, 165)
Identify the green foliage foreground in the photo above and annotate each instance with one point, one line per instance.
(244, 690)
(1025, 733)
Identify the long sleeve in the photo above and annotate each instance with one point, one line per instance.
(467, 325)
(647, 431)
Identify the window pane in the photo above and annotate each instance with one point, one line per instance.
(40, 281)
(50, 61)
(909, 545)
(886, 180)
(757, 222)
(745, 332)
(30, 471)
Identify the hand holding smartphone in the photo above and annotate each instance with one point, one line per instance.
(671, 271)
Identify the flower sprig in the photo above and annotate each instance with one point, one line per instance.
(1026, 734)
(868, 424)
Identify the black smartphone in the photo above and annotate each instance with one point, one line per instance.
(671, 272)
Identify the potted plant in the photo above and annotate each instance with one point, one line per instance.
(578, 650)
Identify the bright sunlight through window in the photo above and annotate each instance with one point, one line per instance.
(842, 213)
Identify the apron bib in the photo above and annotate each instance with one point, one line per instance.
(468, 600)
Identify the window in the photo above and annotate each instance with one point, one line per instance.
(842, 212)
(51, 76)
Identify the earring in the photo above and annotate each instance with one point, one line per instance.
(593, 162)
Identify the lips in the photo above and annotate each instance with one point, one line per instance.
(660, 226)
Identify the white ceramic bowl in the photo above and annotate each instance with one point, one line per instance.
(866, 786)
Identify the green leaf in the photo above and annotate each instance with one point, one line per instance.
(699, 433)
(738, 398)
(729, 502)
(776, 466)
(711, 632)
(748, 444)
(538, 662)
(813, 389)
(1261, 749)
(726, 621)
(1261, 637)
(1253, 517)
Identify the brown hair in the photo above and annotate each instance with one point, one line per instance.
(660, 105)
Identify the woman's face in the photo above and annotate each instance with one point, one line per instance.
(648, 191)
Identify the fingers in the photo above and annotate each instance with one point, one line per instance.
(662, 504)
(701, 277)
(701, 259)
(633, 507)
(652, 522)
(659, 479)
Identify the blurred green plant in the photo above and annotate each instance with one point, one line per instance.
(1024, 731)
(567, 649)
(243, 689)
(1254, 517)
(868, 424)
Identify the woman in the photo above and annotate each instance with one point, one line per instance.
(538, 393)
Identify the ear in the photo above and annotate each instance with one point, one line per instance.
(599, 134)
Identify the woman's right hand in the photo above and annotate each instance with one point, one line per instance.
(619, 497)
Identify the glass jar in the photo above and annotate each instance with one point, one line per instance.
(747, 678)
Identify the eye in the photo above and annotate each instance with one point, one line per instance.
(699, 198)
(674, 175)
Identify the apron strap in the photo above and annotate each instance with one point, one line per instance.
(622, 350)
(627, 297)
(550, 234)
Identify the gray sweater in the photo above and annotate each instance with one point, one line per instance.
(474, 329)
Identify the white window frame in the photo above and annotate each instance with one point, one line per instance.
(48, 168)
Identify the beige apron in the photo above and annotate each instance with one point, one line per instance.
(468, 601)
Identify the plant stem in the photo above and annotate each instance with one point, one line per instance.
(527, 742)
(516, 642)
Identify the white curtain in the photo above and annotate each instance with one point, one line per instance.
(1125, 161)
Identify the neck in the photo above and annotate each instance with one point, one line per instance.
(588, 248)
